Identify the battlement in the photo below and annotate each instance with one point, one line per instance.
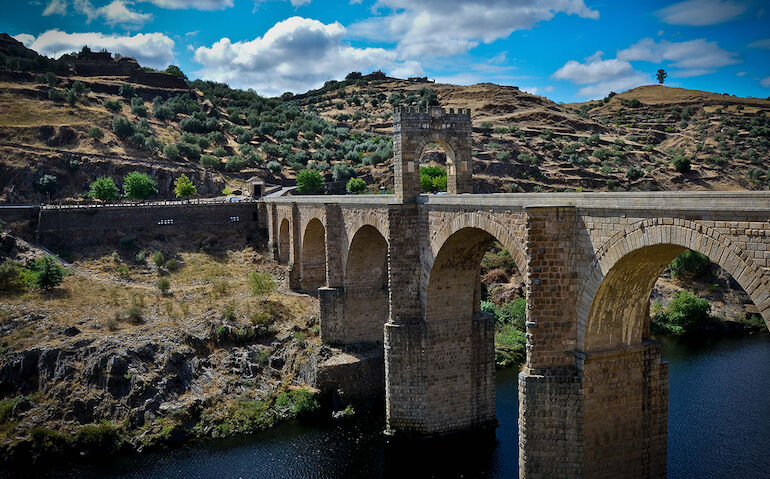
(432, 113)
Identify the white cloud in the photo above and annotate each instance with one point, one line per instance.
(115, 13)
(436, 28)
(765, 82)
(25, 38)
(694, 57)
(594, 70)
(764, 44)
(56, 7)
(701, 12)
(192, 4)
(600, 76)
(295, 55)
(150, 49)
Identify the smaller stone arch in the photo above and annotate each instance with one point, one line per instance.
(313, 259)
(284, 241)
(355, 223)
(613, 303)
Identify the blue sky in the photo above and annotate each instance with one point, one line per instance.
(567, 50)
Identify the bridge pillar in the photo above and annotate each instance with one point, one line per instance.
(295, 251)
(405, 330)
(332, 296)
(550, 388)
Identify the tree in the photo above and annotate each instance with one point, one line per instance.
(309, 181)
(260, 284)
(163, 286)
(685, 311)
(48, 184)
(104, 188)
(122, 127)
(176, 71)
(184, 187)
(138, 186)
(356, 186)
(662, 76)
(48, 273)
(126, 90)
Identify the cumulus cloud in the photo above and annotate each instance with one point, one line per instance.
(694, 57)
(600, 76)
(436, 28)
(150, 49)
(295, 55)
(701, 12)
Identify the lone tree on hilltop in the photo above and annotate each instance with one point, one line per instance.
(662, 76)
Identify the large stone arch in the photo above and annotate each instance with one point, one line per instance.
(353, 225)
(313, 257)
(458, 347)
(366, 287)
(284, 241)
(613, 303)
(482, 221)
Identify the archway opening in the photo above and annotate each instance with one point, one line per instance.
(283, 242)
(436, 162)
(366, 287)
(313, 272)
(460, 322)
(626, 405)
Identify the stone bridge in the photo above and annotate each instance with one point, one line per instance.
(403, 270)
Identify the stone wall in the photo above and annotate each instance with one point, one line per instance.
(72, 227)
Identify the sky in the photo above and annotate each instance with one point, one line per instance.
(566, 50)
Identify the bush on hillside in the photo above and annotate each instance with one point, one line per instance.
(309, 181)
(356, 186)
(689, 264)
(138, 186)
(104, 188)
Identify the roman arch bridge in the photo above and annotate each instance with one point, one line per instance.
(403, 270)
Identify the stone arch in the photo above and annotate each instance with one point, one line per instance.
(613, 304)
(284, 241)
(458, 351)
(366, 286)
(313, 260)
(365, 218)
(482, 221)
(446, 142)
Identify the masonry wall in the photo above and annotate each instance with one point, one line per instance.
(65, 228)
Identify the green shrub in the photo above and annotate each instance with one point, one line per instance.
(103, 438)
(12, 277)
(96, 133)
(432, 178)
(235, 163)
(309, 181)
(189, 151)
(139, 110)
(47, 184)
(211, 162)
(157, 258)
(685, 312)
(260, 284)
(138, 186)
(163, 286)
(171, 152)
(126, 90)
(682, 164)
(296, 402)
(220, 151)
(104, 188)
(113, 105)
(689, 264)
(634, 173)
(122, 127)
(355, 186)
(184, 187)
(274, 167)
(513, 313)
(48, 274)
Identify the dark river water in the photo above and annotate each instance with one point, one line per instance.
(719, 427)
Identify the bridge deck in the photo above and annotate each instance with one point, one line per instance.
(697, 200)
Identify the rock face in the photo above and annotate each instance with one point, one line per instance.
(85, 378)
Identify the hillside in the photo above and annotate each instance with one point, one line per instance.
(63, 118)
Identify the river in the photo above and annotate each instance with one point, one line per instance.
(719, 427)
